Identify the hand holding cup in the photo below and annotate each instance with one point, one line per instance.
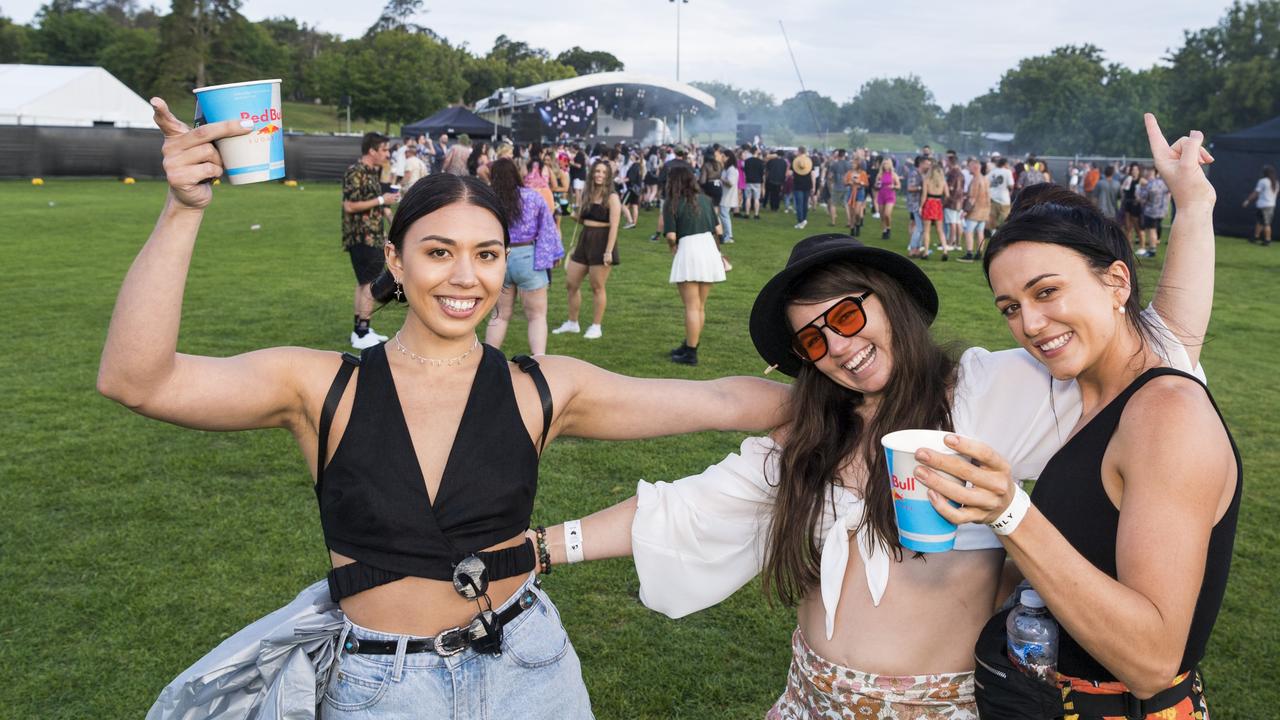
(190, 158)
(989, 486)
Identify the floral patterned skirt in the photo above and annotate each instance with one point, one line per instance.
(816, 688)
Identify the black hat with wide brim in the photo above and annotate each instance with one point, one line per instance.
(771, 331)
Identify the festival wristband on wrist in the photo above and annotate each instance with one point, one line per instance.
(381, 201)
(1012, 515)
(573, 542)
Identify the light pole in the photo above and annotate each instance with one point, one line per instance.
(680, 116)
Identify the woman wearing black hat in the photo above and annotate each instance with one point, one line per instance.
(880, 632)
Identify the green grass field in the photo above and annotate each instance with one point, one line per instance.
(129, 548)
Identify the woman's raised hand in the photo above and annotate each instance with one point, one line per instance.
(1180, 165)
(190, 158)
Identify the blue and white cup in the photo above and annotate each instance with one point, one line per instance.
(259, 155)
(920, 527)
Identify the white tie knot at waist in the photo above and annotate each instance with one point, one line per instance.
(848, 512)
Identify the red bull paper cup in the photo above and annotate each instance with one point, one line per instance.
(259, 155)
(920, 527)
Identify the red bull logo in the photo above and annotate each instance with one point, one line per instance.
(268, 129)
(268, 115)
(906, 485)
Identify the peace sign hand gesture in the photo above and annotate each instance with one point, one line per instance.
(190, 158)
(1180, 165)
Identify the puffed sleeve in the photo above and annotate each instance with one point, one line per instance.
(697, 540)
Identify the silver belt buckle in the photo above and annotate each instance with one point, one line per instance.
(450, 642)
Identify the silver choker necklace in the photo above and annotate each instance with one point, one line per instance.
(436, 362)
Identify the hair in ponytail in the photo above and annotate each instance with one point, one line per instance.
(428, 195)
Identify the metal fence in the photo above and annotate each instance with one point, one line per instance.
(29, 151)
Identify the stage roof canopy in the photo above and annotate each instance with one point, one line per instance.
(69, 95)
(658, 97)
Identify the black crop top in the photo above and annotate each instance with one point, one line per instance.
(374, 506)
(1070, 495)
(596, 212)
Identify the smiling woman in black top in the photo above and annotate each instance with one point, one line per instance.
(425, 449)
(1128, 534)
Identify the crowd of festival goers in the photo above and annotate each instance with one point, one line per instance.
(953, 204)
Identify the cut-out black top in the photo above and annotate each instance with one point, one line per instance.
(1070, 495)
(374, 506)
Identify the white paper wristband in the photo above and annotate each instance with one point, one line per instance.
(573, 541)
(1012, 515)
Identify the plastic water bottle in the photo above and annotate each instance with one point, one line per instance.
(1033, 638)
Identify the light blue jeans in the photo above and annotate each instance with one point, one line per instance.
(537, 676)
(726, 221)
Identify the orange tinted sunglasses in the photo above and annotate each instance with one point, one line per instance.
(846, 319)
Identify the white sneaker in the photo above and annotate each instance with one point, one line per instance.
(360, 343)
(375, 333)
(801, 225)
(569, 326)
(593, 333)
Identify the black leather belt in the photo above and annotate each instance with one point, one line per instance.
(449, 642)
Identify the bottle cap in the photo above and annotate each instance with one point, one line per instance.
(1031, 599)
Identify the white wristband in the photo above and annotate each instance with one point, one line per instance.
(1012, 515)
(381, 201)
(573, 541)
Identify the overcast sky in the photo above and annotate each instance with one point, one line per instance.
(960, 49)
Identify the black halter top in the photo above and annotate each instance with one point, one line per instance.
(1071, 495)
(374, 506)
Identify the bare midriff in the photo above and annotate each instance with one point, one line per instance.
(594, 223)
(926, 623)
(419, 606)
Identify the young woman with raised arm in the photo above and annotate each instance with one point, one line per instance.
(425, 453)
(1128, 535)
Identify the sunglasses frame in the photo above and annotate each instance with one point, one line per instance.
(826, 323)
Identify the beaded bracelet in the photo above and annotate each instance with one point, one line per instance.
(544, 555)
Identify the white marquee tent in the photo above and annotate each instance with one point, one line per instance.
(69, 95)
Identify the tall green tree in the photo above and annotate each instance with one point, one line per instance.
(400, 76)
(17, 43)
(809, 111)
(1056, 98)
(1227, 77)
(187, 39)
(893, 105)
(586, 62)
(70, 35)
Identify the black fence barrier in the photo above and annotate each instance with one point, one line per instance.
(28, 151)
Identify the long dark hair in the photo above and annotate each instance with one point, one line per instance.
(1269, 173)
(827, 436)
(473, 161)
(1049, 213)
(504, 178)
(681, 188)
(426, 196)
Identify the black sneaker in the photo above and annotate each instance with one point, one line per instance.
(680, 350)
(967, 258)
(688, 357)
(884, 234)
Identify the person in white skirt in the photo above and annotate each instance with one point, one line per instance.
(692, 227)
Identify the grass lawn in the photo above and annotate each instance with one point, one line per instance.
(129, 547)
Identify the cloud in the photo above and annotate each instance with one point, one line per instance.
(960, 50)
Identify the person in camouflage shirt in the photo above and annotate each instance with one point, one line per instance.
(363, 206)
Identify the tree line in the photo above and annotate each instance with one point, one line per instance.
(1071, 100)
(397, 71)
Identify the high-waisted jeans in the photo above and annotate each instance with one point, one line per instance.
(537, 676)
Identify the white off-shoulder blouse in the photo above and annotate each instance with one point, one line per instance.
(697, 540)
